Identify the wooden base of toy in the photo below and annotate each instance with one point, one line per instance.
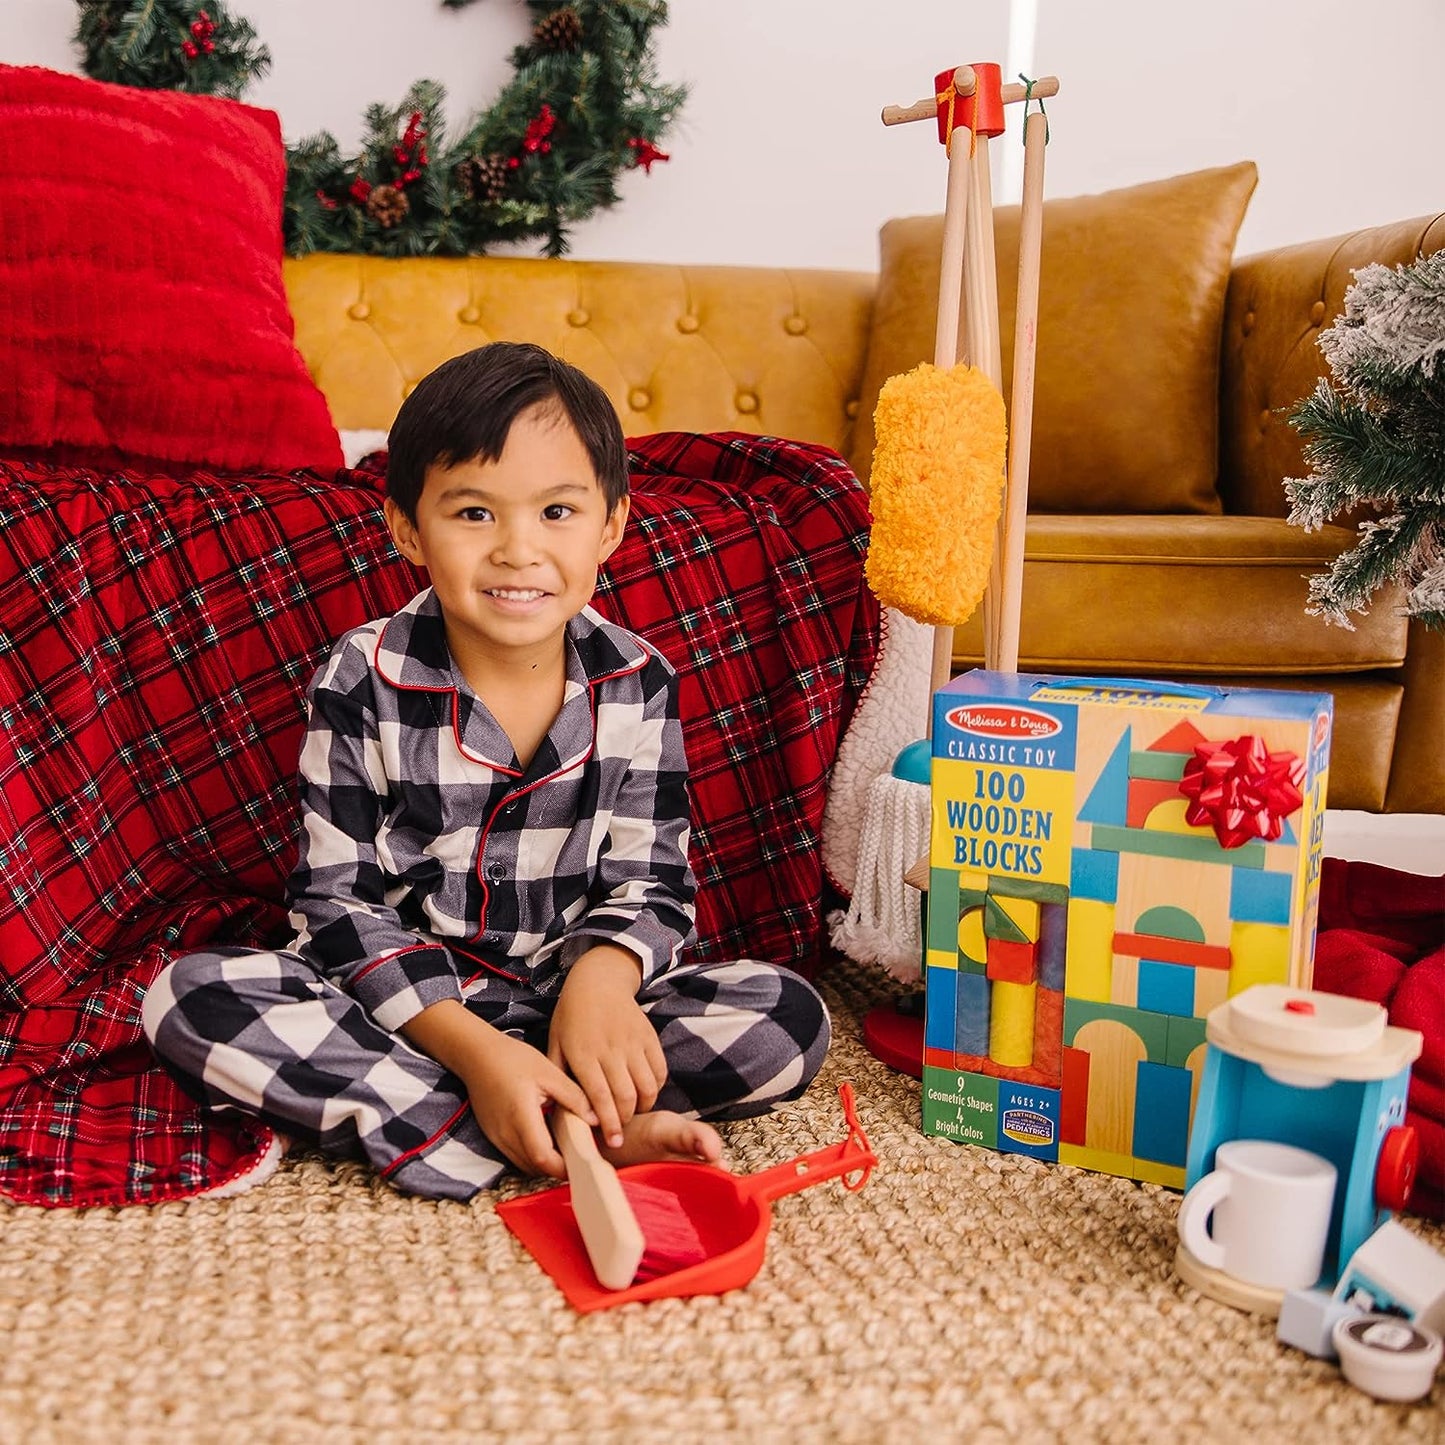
(1255, 1298)
(895, 1037)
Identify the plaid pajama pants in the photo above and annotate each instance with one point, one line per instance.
(265, 1034)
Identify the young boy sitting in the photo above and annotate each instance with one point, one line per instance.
(493, 893)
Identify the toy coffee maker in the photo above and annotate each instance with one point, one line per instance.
(1298, 1151)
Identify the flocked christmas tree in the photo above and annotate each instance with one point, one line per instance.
(584, 105)
(1377, 440)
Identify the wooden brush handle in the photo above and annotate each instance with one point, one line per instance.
(609, 1229)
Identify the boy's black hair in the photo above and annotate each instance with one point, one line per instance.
(464, 410)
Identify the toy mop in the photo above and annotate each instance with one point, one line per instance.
(949, 493)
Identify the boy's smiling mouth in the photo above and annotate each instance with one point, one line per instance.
(516, 594)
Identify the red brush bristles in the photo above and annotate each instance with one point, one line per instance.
(671, 1237)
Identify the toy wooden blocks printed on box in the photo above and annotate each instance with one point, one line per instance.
(1110, 859)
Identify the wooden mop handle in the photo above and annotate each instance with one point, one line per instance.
(963, 81)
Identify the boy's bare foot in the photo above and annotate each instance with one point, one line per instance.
(662, 1136)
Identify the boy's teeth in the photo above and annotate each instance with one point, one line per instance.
(516, 594)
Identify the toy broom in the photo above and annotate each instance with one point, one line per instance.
(949, 493)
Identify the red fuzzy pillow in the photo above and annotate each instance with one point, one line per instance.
(140, 281)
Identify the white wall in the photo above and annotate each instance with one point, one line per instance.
(779, 156)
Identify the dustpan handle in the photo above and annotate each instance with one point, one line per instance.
(852, 1156)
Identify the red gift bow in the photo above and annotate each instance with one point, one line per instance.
(1241, 789)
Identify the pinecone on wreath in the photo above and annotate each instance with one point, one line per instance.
(387, 205)
(483, 178)
(561, 30)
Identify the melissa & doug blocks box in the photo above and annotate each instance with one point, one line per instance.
(1110, 859)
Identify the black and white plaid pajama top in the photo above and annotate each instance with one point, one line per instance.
(427, 852)
(433, 866)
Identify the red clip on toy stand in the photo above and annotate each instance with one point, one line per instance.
(729, 1211)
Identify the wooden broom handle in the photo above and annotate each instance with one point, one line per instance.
(981, 341)
(945, 353)
(1021, 393)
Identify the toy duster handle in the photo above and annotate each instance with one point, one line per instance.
(849, 1157)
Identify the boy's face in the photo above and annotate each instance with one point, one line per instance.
(513, 546)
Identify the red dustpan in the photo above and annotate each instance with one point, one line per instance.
(729, 1211)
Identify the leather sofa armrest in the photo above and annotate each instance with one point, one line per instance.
(1277, 303)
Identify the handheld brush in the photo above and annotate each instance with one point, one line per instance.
(630, 1230)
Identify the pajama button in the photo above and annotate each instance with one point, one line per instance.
(497, 872)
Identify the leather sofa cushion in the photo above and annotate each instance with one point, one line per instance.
(1131, 303)
(1174, 596)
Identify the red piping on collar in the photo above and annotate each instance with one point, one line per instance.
(592, 683)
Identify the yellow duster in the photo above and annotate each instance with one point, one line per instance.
(936, 490)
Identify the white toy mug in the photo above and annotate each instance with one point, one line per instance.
(1271, 1206)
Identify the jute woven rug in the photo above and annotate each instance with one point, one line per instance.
(961, 1295)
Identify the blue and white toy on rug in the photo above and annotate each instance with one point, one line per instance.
(1326, 1075)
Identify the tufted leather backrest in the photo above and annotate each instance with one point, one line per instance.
(685, 348)
(1277, 305)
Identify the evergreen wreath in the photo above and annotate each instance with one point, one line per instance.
(1379, 441)
(169, 45)
(584, 104)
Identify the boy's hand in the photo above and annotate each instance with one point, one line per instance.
(510, 1086)
(508, 1083)
(602, 1037)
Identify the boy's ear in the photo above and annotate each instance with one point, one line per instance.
(403, 532)
(612, 530)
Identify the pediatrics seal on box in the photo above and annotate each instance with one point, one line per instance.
(1109, 859)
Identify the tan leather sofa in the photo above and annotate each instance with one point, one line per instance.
(1207, 584)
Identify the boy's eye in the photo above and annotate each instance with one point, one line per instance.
(475, 514)
(557, 512)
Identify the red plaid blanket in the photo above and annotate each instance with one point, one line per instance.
(156, 636)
